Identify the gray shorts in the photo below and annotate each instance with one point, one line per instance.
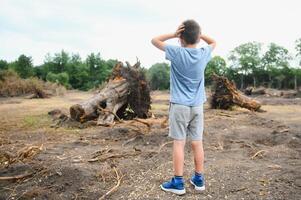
(186, 121)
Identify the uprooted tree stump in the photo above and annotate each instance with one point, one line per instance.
(226, 95)
(125, 96)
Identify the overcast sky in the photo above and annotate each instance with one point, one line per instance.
(122, 29)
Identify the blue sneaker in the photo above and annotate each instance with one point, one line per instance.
(176, 185)
(197, 180)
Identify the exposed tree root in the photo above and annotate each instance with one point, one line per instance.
(226, 95)
(125, 96)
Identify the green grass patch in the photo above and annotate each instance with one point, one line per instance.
(36, 121)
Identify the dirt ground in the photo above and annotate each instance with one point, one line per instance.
(248, 155)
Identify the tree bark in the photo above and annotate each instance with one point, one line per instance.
(296, 82)
(242, 82)
(270, 81)
(254, 81)
(226, 95)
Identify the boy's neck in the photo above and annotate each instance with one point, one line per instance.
(190, 45)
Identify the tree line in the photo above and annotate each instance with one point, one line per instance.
(64, 68)
(247, 65)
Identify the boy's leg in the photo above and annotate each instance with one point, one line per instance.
(179, 118)
(198, 154)
(178, 157)
(197, 179)
(176, 184)
(196, 127)
(178, 122)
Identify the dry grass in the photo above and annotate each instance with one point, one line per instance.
(161, 107)
(233, 134)
(11, 85)
(292, 115)
(160, 95)
(30, 114)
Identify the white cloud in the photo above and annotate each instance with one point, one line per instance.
(123, 29)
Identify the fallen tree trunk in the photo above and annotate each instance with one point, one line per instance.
(226, 95)
(126, 95)
(255, 91)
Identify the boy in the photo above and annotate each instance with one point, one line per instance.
(187, 97)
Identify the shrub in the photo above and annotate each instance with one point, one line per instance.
(12, 85)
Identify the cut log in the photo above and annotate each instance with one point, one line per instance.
(255, 91)
(226, 95)
(290, 94)
(126, 95)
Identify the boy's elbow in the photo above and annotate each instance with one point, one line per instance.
(153, 41)
(213, 45)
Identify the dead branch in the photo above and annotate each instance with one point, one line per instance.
(284, 130)
(238, 189)
(7, 178)
(118, 178)
(131, 140)
(29, 152)
(224, 114)
(110, 156)
(101, 152)
(163, 145)
(144, 122)
(164, 123)
(257, 153)
(24, 153)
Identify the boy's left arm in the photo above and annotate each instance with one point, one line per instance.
(159, 41)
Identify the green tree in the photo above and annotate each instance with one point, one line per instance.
(246, 59)
(3, 65)
(75, 67)
(60, 61)
(111, 63)
(23, 66)
(61, 78)
(159, 76)
(98, 68)
(57, 63)
(275, 59)
(217, 65)
(81, 78)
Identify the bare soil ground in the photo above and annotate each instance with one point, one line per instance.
(248, 155)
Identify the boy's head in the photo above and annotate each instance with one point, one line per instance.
(191, 33)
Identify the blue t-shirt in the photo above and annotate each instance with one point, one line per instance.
(188, 65)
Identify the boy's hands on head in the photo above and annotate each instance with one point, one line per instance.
(159, 40)
(208, 40)
(179, 30)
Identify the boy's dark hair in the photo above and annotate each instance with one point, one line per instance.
(191, 32)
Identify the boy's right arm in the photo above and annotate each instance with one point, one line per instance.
(159, 41)
(209, 41)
